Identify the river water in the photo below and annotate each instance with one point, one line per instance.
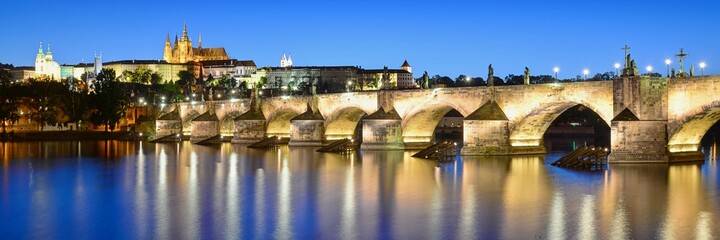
(139, 190)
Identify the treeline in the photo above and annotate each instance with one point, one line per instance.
(103, 99)
(50, 102)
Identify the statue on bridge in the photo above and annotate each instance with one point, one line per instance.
(692, 70)
(385, 78)
(425, 81)
(491, 77)
(672, 73)
(527, 76)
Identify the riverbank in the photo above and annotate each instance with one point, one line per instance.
(66, 136)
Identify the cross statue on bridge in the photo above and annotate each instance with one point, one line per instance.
(627, 49)
(682, 55)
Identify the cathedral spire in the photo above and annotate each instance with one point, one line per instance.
(40, 50)
(185, 34)
(167, 39)
(199, 40)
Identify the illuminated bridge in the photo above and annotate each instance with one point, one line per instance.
(651, 119)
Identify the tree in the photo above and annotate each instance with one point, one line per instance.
(186, 80)
(462, 80)
(8, 100)
(513, 79)
(110, 100)
(262, 82)
(227, 82)
(156, 79)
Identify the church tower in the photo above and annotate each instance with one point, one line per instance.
(289, 61)
(185, 50)
(40, 61)
(406, 66)
(167, 54)
(48, 55)
(283, 61)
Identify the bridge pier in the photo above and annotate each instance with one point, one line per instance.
(485, 131)
(307, 129)
(638, 132)
(205, 126)
(382, 131)
(169, 124)
(635, 141)
(249, 127)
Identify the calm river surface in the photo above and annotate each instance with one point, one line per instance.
(138, 190)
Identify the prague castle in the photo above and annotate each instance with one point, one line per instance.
(183, 51)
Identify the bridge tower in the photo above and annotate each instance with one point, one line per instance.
(640, 106)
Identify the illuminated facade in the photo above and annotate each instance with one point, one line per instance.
(45, 65)
(183, 51)
(336, 78)
(168, 71)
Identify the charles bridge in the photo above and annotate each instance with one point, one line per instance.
(652, 119)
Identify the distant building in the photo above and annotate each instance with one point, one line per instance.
(168, 71)
(237, 69)
(286, 61)
(182, 51)
(334, 78)
(45, 65)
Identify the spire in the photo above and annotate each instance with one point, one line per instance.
(199, 40)
(48, 51)
(176, 41)
(40, 50)
(289, 60)
(167, 39)
(185, 34)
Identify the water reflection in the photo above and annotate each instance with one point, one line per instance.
(180, 190)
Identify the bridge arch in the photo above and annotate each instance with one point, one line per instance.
(529, 130)
(187, 120)
(343, 122)
(420, 121)
(278, 124)
(686, 134)
(227, 123)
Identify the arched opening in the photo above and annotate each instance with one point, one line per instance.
(710, 142)
(345, 123)
(450, 127)
(576, 127)
(279, 123)
(691, 132)
(531, 130)
(187, 122)
(421, 124)
(227, 125)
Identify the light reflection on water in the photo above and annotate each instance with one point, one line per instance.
(139, 190)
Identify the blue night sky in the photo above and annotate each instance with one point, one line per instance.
(446, 38)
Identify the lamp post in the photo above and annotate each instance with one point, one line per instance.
(667, 63)
(556, 70)
(586, 72)
(617, 69)
(702, 68)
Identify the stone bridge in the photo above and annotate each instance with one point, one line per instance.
(651, 119)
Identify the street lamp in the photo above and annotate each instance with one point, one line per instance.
(617, 68)
(586, 72)
(702, 68)
(649, 69)
(556, 70)
(667, 63)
